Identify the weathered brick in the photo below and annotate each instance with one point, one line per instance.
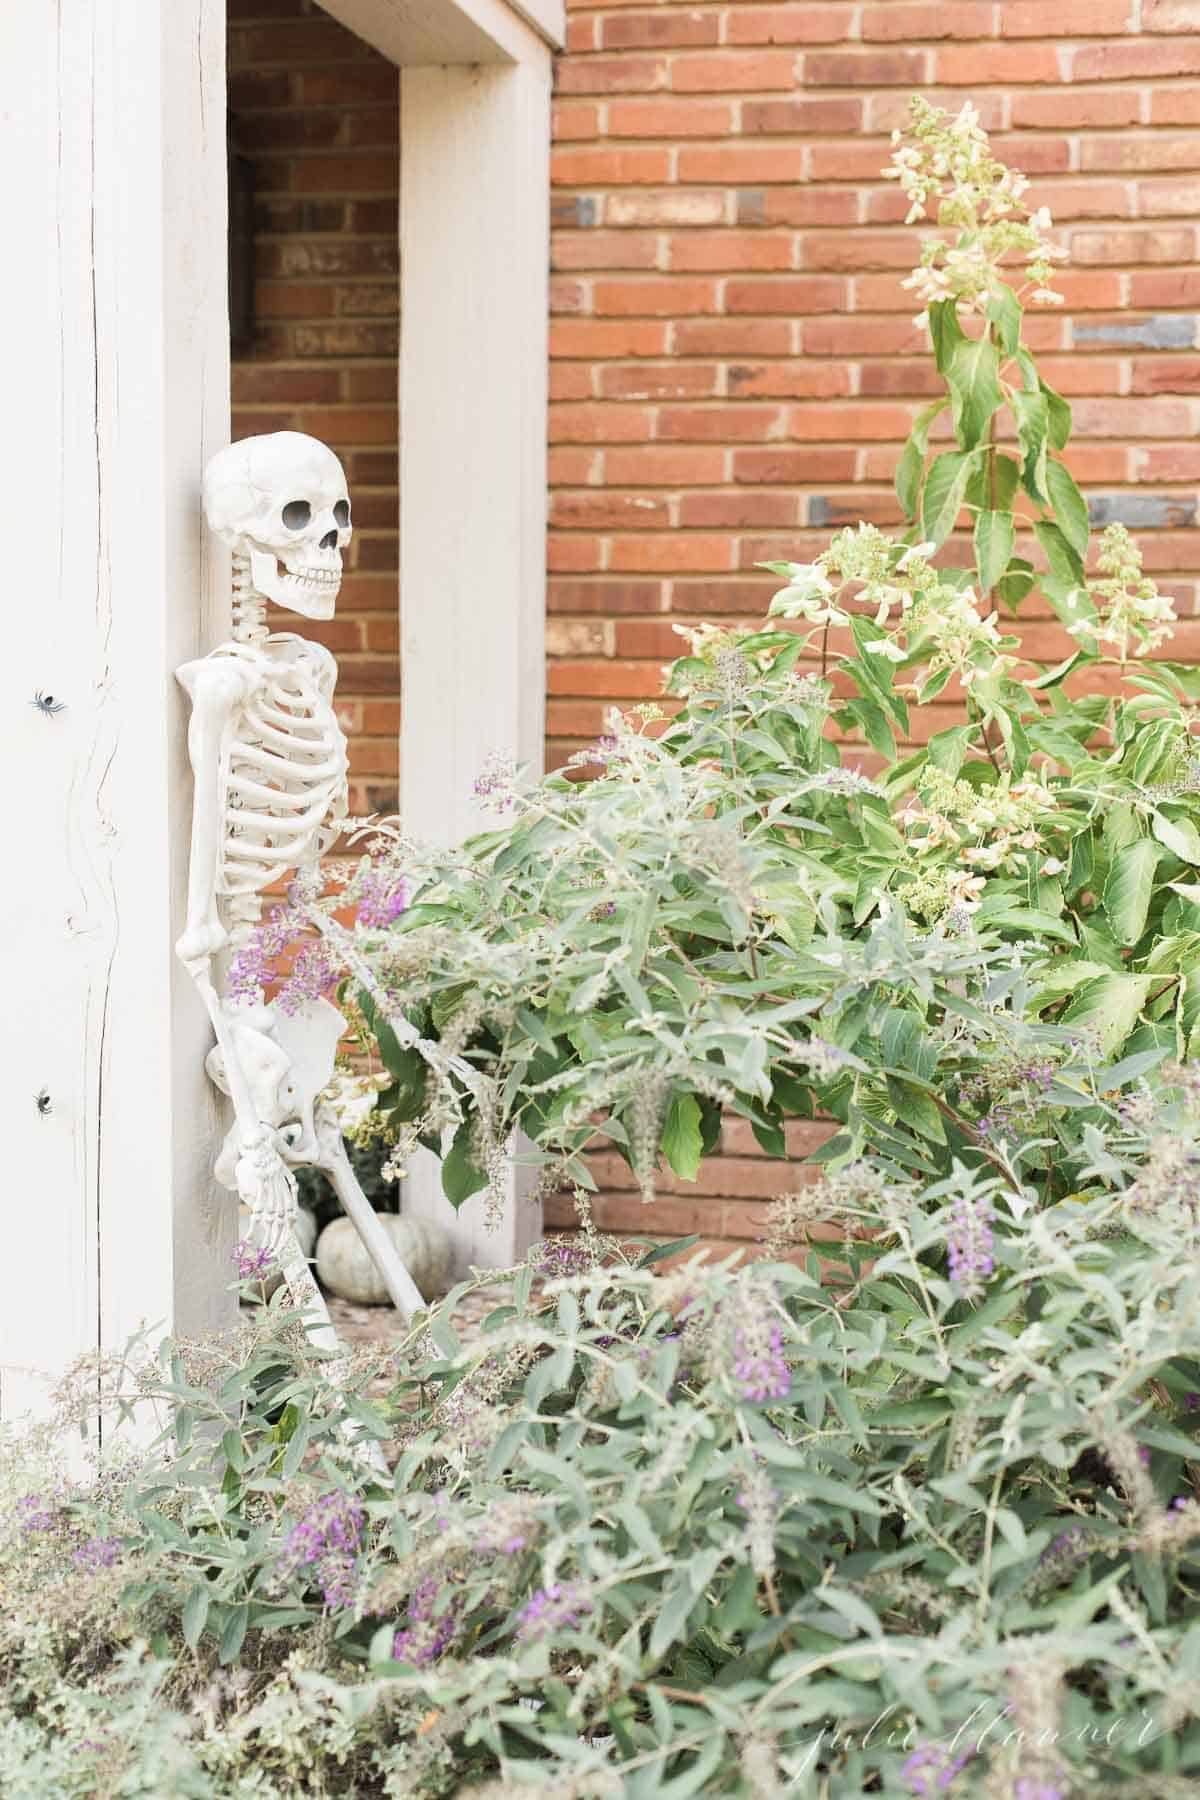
(607, 337)
(801, 117)
(734, 72)
(1173, 106)
(669, 117)
(927, 20)
(609, 168)
(1142, 511)
(785, 464)
(604, 595)
(729, 251)
(610, 75)
(803, 24)
(1166, 375)
(1159, 199)
(654, 465)
(667, 27)
(728, 423)
(1161, 331)
(665, 296)
(1171, 15)
(732, 337)
(784, 294)
(670, 208)
(1056, 109)
(867, 69)
(738, 164)
(1129, 246)
(1083, 18)
(659, 381)
(1131, 152)
(1136, 61)
(984, 65)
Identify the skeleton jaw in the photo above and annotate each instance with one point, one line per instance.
(308, 589)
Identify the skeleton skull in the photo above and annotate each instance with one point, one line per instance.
(281, 501)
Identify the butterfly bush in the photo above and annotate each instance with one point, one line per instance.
(844, 1523)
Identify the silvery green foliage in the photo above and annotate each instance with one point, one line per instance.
(822, 1531)
(698, 929)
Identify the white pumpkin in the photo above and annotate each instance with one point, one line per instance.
(347, 1271)
(306, 1237)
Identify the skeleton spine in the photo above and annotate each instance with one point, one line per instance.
(249, 607)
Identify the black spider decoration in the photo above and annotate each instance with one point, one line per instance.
(47, 705)
(43, 1103)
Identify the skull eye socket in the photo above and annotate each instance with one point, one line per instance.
(341, 512)
(296, 514)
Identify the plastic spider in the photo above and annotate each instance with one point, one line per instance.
(47, 705)
(43, 1102)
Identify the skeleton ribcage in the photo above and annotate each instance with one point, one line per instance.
(286, 776)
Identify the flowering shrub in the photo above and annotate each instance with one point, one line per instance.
(939, 955)
(918, 1516)
(715, 1531)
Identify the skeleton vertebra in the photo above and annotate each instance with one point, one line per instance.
(269, 760)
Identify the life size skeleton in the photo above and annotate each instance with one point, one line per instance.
(269, 761)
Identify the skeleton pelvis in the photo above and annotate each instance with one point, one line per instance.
(286, 1059)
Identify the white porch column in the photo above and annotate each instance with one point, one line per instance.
(112, 164)
(474, 221)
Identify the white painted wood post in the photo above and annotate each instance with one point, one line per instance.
(474, 226)
(112, 164)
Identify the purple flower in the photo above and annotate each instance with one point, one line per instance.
(761, 1369)
(327, 1539)
(756, 1343)
(931, 1769)
(37, 1512)
(1030, 1788)
(312, 976)
(98, 1553)
(383, 896)
(428, 1634)
(558, 1258)
(495, 783)
(252, 1264)
(556, 1608)
(969, 1243)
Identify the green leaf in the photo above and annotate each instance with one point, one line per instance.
(1064, 560)
(1058, 415)
(1128, 889)
(911, 466)
(914, 1108)
(994, 535)
(944, 492)
(1109, 1005)
(1005, 313)
(1179, 836)
(1070, 507)
(1013, 586)
(973, 377)
(682, 1143)
(234, 1634)
(946, 332)
(461, 1175)
(195, 1613)
(1033, 431)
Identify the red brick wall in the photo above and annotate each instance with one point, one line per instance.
(317, 111)
(734, 363)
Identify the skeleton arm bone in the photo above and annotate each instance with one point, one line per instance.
(216, 687)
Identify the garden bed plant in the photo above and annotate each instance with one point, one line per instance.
(915, 1516)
